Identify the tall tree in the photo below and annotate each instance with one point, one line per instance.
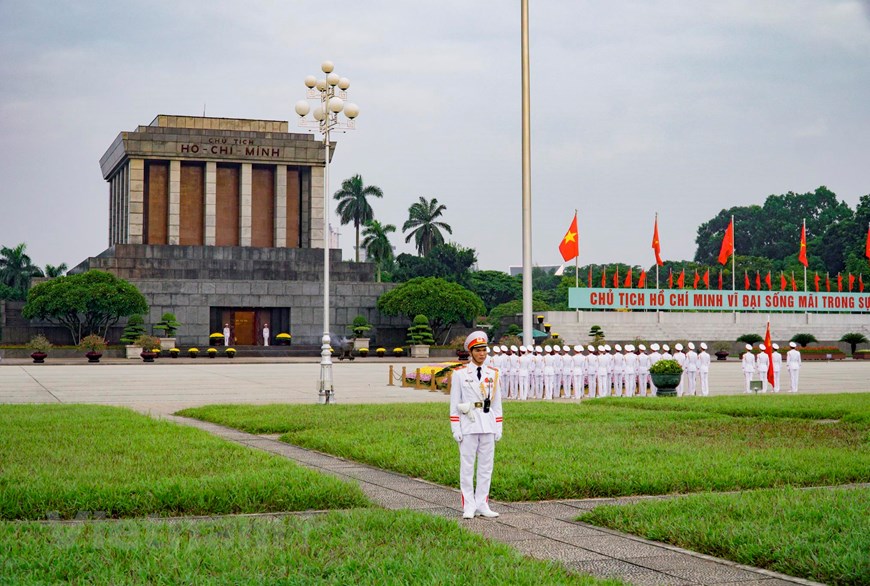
(424, 226)
(376, 241)
(448, 261)
(52, 271)
(353, 205)
(16, 269)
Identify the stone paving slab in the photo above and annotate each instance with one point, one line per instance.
(544, 530)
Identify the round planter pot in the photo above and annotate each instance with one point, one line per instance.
(93, 356)
(148, 356)
(721, 355)
(666, 384)
(38, 357)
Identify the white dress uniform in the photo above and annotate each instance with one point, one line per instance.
(512, 370)
(793, 363)
(591, 371)
(557, 371)
(476, 423)
(748, 366)
(525, 365)
(704, 369)
(643, 377)
(567, 371)
(618, 377)
(691, 370)
(654, 357)
(680, 357)
(603, 370)
(630, 372)
(539, 372)
(549, 372)
(579, 367)
(777, 367)
(266, 335)
(762, 361)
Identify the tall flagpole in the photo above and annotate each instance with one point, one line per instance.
(577, 258)
(657, 261)
(527, 175)
(733, 254)
(804, 232)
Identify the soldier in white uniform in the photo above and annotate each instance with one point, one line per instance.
(604, 365)
(666, 352)
(748, 366)
(476, 423)
(777, 367)
(525, 365)
(654, 357)
(761, 363)
(793, 363)
(630, 372)
(539, 372)
(549, 372)
(579, 367)
(704, 369)
(591, 371)
(266, 335)
(618, 377)
(227, 337)
(567, 371)
(643, 364)
(494, 357)
(691, 370)
(680, 357)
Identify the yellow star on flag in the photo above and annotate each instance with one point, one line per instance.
(570, 237)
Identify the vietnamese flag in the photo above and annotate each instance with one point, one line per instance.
(670, 278)
(697, 278)
(570, 246)
(768, 349)
(768, 282)
(616, 278)
(793, 284)
(757, 281)
(851, 282)
(656, 245)
(746, 280)
(802, 255)
(727, 248)
(782, 282)
(867, 246)
(720, 279)
(840, 282)
(707, 278)
(627, 283)
(604, 278)
(681, 280)
(590, 276)
(641, 281)
(817, 281)
(828, 282)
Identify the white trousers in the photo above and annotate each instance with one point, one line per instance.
(691, 382)
(549, 381)
(524, 386)
(748, 377)
(603, 385)
(643, 379)
(776, 381)
(795, 375)
(482, 447)
(682, 386)
(578, 385)
(705, 382)
(567, 381)
(652, 387)
(590, 381)
(618, 378)
(631, 384)
(538, 385)
(513, 380)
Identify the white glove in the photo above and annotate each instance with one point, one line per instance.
(458, 436)
(497, 437)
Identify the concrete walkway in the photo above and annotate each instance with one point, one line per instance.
(542, 530)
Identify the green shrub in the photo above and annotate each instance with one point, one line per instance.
(147, 343)
(666, 367)
(750, 339)
(39, 343)
(420, 332)
(93, 343)
(168, 325)
(804, 339)
(135, 327)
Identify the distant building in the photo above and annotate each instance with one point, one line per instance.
(517, 270)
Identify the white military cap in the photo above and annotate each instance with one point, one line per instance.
(761, 347)
(474, 339)
(775, 346)
(618, 347)
(514, 348)
(496, 349)
(691, 345)
(654, 346)
(749, 346)
(566, 348)
(504, 348)
(602, 348)
(578, 348)
(792, 344)
(678, 347)
(548, 349)
(629, 348)
(487, 349)
(641, 347)
(703, 346)
(666, 348)
(591, 348)
(538, 349)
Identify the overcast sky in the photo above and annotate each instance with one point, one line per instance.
(679, 107)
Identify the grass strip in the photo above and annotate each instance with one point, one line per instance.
(817, 534)
(355, 547)
(70, 460)
(571, 450)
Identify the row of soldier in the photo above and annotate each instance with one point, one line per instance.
(757, 366)
(535, 372)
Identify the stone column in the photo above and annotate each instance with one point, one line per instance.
(210, 202)
(245, 202)
(318, 238)
(280, 206)
(136, 211)
(174, 215)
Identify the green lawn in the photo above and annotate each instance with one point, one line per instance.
(358, 547)
(818, 534)
(597, 448)
(74, 459)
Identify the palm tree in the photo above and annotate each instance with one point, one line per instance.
(353, 205)
(425, 230)
(376, 241)
(16, 268)
(52, 271)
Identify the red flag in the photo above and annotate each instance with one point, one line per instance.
(817, 282)
(782, 282)
(793, 284)
(828, 283)
(590, 276)
(570, 246)
(840, 282)
(861, 282)
(727, 248)
(746, 280)
(867, 246)
(768, 349)
(656, 245)
(768, 282)
(851, 282)
(604, 278)
(720, 280)
(670, 278)
(616, 278)
(627, 283)
(681, 280)
(757, 281)
(707, 278)
(802, 255)
(697, 278)
(641, 281)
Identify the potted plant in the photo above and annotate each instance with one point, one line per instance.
(93, 345)
(666, 377)
(360, 326)
(721, 350)
(169, 326)
(363, 352)
(397, 351)
(215, 339)
(458, 344)
(212, 352)
(40, 346)
(283, 338)
(231, 352)
(420, 337)
(135, 327)
(194, 352)
(174, 352)
(381, 352)
(149, 345)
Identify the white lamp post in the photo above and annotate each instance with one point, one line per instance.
(332, 94)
